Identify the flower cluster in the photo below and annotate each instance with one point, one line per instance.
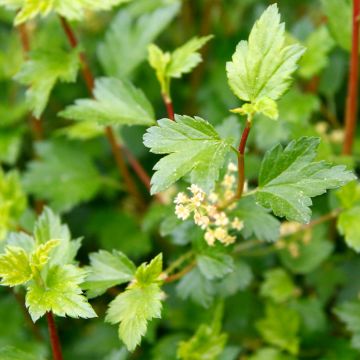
(206, 210)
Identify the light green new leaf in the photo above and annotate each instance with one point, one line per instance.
(41, 254)
(12, 353)
(193, 146)
(107, 270)
(278, 285)
(318, 45)
(348, 225)
(41, 72)
(289, 178)
(117, 102)
(62, 166)
(60, 293)
(280, 327)
(207, 343)
(174, 65)
(270, 354)
(12, 201)
(125, 43)
(49, 227)
(338, 15)
(349, 195)
(15, 266)
(349, 313)
(70, 9)
(261, 67)
(140, 303)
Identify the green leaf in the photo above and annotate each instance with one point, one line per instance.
(12, 201)
(41, 254)
(280, 327)
(289, 178)
(270, 354)
(62, 166)
(107, 270)
(125, 43)
(257, 220)
(174, 65)
(138, 304)
(349, 313)
(11, 353)
(15, 266)
(207, 343)
(214, 263)
(59, 292)
(338, 14)
(193, 146)
(348, 224)
(41, 73)
(261, 67)
(117, 102)
(278, 286)
(70, 9)
(349, 195)
(318, 45)
(196, 287)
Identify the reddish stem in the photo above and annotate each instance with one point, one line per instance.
(241, 160)
(116, 147)
(180, 274)
(169, 106)
(54, 337)
(352, 97)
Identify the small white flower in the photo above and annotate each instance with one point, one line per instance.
(195, 189)
(337, 136)
(229, 194)
(211, 211)
(289, 227)
(237, 224)
(221, 219)
(220, 234)
(210, 237)
(321, 127)
(229, 181)
(213, 197)
(232, 167)
(229, 240)
(182, 212)
(181, 198)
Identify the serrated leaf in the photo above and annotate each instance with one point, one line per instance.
(70, 9)
(214, 263)
(348, 224)
(261, 67)
(15, 266)
(349, 195)
(140, 303)
(338, 14)
(116, 102)
(318, 45)
(107, 270)
(289, 178)
(41, 255)
(196, 287)
(280, 327)
(13, 201)
(125, 45)
(278, 286)
(207, 343)
(42, 71)
(174, 65)
(60, 293)
(62, 166)
(257, 220)
(193, 146)
(349, 313)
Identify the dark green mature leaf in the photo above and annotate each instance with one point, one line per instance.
(125, 45)
(107, 270)
(61, 166)
(117, 102)
(61, 294)
(280, 328)
(140, 303)
(289, 178)
(338, 14)
(261, 68)
(193, 146)
(257, 220)
(42, 72)
(349, 313)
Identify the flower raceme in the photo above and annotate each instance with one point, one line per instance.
(207, 211)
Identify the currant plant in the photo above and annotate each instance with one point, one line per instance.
(215, 235)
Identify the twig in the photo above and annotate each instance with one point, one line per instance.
(169, 106)
(352, 96)
(54, 337)
(180, 274)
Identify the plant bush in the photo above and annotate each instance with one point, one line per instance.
(139, 219)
